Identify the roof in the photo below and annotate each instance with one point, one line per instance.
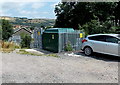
(21, 29)
(115, 35)
(59, 30)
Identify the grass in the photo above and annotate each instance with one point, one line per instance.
(6, 50)
(22, 51)
(8, 47)
(53, 55)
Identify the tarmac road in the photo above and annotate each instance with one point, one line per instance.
(69, 68)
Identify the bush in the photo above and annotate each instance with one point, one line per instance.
(8, 46)
(17, 46)
(26, 40)
(68, 47)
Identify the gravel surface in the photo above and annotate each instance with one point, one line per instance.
(69, 68)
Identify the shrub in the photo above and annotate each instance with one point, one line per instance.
(68, 47)
(17, 46)
(26, 40)
(8, 46)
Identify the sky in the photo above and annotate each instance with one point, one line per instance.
(28, 8)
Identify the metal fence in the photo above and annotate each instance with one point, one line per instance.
(74, 39)
(37, 36)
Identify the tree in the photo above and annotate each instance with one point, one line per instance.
(0, 32)
(75, 14)
(117, 13)
(104, 10)
(94, 27)
(7, 30)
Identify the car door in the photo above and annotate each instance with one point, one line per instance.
(98, 43)
(112, 45)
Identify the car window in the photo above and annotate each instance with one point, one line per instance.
(118, 36)
(111, 39)
(97, 38)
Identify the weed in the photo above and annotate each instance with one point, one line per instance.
(68, 47)
(22, 51)
(8, 46)
(53, 55)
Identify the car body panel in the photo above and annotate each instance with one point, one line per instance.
(103, 47)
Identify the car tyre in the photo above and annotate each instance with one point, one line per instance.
(88, 51)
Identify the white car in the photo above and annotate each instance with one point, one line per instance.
(102, 43)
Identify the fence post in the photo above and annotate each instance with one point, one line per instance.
(118, 22)
(114, 22)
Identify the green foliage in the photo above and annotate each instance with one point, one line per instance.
(116, 29)
(94, 27)
(0, 32)
(89, 16)
(91, 27)
(68, 47)
(17, 47)
(7, 30)
(26, 40)
(53, 55)
(117, 12)
(22, 51)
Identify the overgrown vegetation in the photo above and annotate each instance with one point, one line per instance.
(92, 17)
(53, 55)
(8, 46)
(26, 40)
(68, 47)
(22, 51)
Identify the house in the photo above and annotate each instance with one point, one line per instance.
(16, 37)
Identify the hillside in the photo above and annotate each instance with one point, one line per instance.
(29, 22)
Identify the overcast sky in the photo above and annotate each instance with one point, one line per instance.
(28, 8)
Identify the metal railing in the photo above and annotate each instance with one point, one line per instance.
(73, 39)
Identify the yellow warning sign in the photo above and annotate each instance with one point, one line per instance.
(38, 33)
(81, 35)
(52, 36)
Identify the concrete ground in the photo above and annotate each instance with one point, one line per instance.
(69, 68)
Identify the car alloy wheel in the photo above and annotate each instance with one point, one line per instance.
(88, 51)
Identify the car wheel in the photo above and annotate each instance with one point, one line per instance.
(88, 51)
